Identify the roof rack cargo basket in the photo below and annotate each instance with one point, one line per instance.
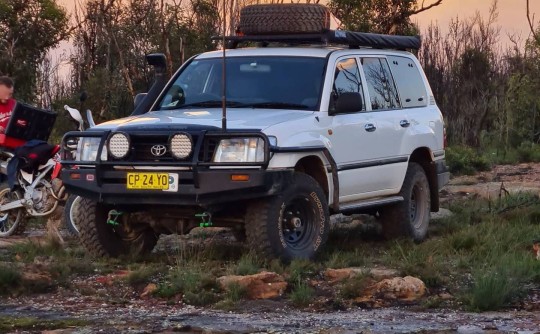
(331, 37)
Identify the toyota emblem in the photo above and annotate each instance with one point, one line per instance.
(158, 150)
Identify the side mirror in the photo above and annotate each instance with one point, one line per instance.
(348, 102)
(139, 98)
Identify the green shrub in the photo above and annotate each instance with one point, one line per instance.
(9, 280)
(465, 161)
(302, 294)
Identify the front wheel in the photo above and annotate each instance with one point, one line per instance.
(106, 232)
(11, 222)
(410, 217)
(291, 225)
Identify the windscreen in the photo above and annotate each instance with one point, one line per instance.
(252, 82)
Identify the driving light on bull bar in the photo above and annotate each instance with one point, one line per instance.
(118, 145)
(180, 145)
(240, 150)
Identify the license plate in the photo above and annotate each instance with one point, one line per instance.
(152, 181)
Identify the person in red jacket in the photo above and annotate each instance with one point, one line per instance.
(7, 103)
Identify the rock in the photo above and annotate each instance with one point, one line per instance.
(109, 279)
(398, 288)
(39, 281)
(443, 213)
(338, 275)
(469, 329)
(149, 289)
(263, 285)
(446, 296)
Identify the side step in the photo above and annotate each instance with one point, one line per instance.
(367, 204)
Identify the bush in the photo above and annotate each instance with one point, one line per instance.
(9, 279)
(302, 294)
(465, 161)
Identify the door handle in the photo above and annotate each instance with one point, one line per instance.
(404, 123)
(370, 127)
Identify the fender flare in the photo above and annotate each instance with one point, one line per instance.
(333, 166)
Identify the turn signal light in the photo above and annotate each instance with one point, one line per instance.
(239, 177)
(75, 176)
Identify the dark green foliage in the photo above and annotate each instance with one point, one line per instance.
(29, 29)
(465, 160)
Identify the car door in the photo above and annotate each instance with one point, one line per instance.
(353, 135)
(386, 110)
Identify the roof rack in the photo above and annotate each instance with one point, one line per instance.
(354, 40)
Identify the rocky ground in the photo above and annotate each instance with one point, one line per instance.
(102, 301)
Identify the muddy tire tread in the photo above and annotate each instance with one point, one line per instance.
(86, 215)
(394, 218)
(256, 218)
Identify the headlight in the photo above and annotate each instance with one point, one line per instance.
(180, 146)
(88, 148)
(240, 150)
(118, 145)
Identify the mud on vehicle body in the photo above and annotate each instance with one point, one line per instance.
(349, 125)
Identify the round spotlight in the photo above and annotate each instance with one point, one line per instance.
(181, 146)
(118, 145)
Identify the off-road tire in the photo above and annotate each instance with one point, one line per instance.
(409, 218)
(284, 19)
(70, 215)
(268, 221)
(102, 239)
(21, 224)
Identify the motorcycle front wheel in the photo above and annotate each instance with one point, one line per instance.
(11, 222)
(70, 214)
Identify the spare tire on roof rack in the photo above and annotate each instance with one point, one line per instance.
(284, 19)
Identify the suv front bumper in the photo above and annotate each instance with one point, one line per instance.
(208, 187)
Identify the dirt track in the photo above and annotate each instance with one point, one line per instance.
(121, 310)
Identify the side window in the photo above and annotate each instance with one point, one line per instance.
(409, 82)
(346, 80)
(381, 87)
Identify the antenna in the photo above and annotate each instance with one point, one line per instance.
(223, 76)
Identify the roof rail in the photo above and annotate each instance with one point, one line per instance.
(332, 37)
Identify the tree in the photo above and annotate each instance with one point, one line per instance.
(379, 16)
(28, 30)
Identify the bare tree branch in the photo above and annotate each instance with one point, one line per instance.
(531, 23)
(423, 9)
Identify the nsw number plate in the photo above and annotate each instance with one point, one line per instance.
(152, 181)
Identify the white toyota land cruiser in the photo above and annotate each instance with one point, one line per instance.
(346, 125)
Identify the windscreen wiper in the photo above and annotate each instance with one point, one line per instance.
(211, 103)
(277, 105)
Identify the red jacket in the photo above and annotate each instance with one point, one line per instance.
(5, 113)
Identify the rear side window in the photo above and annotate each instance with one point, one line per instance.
(381, 87)
(409, 82)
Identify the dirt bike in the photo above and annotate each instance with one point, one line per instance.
(38, 190)
(73, 200)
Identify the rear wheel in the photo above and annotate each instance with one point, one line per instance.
(292, 225)
(12, 222)
(410, 217)
(284, 19)
(120, 236)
